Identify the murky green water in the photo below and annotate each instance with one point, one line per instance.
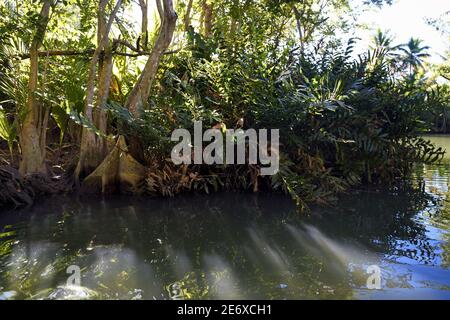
(232, 246)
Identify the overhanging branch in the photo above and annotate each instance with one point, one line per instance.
(68, 53)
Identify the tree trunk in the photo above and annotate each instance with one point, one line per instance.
(138, 97)
(208, 18)
(298, 18)
(444, 122)
(144, 27)
(93, 147)
(33, 129)
(118, 172)
(141, 91)
(121, 168)
(187, 17)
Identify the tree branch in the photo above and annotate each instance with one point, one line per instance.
(88, 53)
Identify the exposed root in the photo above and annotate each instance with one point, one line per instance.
(17, 190)
(119, 171)
(14, 190)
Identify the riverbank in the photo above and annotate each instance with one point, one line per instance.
(164, 179)
(17, 190)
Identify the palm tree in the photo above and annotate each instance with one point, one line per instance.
(382, 39)
(382, 45)
(414, 54)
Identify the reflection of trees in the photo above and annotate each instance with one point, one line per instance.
(221, 246)
(385, 222)
(438, 183)
(225, 246)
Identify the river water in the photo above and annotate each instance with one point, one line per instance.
(375, 243)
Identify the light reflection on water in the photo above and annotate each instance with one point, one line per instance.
(232, 246)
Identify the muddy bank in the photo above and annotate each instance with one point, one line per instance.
(17, 190)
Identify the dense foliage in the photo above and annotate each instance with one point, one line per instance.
(344, 118)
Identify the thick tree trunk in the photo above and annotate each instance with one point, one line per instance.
(118, 172)
(93, 147)
(33, 129)
(121, 168)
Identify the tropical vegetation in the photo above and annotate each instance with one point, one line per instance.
(91, 90)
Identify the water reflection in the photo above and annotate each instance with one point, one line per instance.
(231, 246)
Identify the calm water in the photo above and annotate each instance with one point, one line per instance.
(230, 246)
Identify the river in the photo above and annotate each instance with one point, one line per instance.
(375, 243)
